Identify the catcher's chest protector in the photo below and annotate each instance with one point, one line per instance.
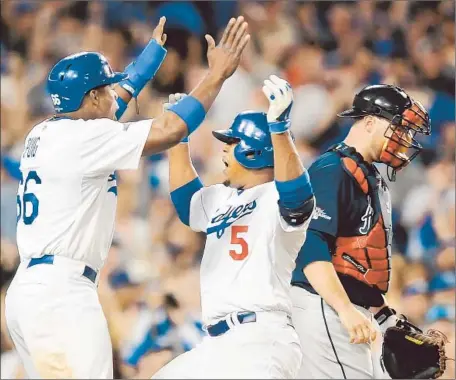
(366, 256)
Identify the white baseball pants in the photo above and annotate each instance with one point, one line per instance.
(56, 322)
(265, 349)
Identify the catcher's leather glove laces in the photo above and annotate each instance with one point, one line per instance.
(408, 353)
(439, 336)
(431, 336)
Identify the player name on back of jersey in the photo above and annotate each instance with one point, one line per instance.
(31, 147)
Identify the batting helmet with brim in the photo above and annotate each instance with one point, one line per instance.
(74, 76)
(250, 131)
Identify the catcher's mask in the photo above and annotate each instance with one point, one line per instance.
(407, 117)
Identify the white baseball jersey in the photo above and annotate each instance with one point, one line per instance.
(250, 250)
(68, 195)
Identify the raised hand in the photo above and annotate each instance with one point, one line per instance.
(158, 34)
(280, 97)
(224, 58)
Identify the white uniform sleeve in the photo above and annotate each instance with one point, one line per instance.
(203, 205)
(108, 145)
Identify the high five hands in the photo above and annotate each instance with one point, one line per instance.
(223, 59)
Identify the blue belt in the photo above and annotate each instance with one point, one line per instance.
(89, 273)
(222, 327)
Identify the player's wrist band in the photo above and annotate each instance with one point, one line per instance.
(294, 193)
(278, 127)
(191, 111)
(122, 107)
(144, 68)
(383, 314)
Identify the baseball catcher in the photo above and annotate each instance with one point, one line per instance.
(343, 269)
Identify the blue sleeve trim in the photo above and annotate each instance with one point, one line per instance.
(182, 197)
(191, 111)
(122, 107)
(293, 193)
(12, 167)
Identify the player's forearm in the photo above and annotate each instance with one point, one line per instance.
(181, 169)
(296, 200)
(142, 69)
(287, 163)
(207, 90)
(324, 279)
(183, 181)
(184, 117)
(166, 131)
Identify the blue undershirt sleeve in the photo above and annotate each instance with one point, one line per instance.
(296, 201)
(12, 167)
(182, 197)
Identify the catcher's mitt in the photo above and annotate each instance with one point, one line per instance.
(408, 353)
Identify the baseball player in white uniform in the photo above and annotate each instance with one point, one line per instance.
(255, 223)
(67, 199)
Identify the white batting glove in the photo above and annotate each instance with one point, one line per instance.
(280, 96)
(173, 99)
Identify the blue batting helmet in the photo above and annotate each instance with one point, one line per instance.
(74, 76)
(250, 130)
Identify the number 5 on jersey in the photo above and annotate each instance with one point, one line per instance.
(239, 242)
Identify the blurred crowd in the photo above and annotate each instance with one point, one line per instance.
(327, 50)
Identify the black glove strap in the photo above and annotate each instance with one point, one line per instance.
(404, 324)
(384, 314)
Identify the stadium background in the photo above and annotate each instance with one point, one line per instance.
(326, 50)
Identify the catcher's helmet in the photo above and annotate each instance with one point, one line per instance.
(407, 117)
(73, 76)
(250, 130)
